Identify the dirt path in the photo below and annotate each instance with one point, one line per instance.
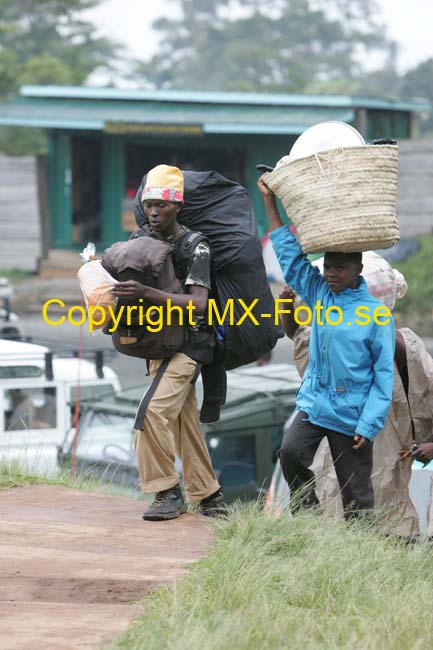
(72, 563)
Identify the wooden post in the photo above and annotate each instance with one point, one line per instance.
(59, 189)
(361, 122)
(113, 188)
(42, 182)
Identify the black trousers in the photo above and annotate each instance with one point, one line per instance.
(353, 467)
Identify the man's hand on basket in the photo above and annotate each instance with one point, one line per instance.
(264, 189)
(270, 205)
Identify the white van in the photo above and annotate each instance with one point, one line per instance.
(37, 401)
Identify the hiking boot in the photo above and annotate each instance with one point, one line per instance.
(213, 506)
(167, 504)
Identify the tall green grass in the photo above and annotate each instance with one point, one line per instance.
(308, 582)
(14, 473)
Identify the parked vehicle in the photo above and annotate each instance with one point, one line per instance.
(10, 326)
(243, 444)
(37, 398)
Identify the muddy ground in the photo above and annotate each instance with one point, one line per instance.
(72, 564)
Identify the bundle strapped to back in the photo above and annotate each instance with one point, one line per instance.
(221, 209)
(148, 261)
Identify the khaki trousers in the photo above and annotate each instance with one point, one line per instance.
(172, 426)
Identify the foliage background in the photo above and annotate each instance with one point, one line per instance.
(46, 42)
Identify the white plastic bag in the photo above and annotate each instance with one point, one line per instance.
(96, 284)
(88, 252)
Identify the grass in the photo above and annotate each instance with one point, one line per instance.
(272, 582)
(13, 474)
(304, 583)
(416, 308)
(14, 275)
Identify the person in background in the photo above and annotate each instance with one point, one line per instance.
(346, 391)
(412, 394)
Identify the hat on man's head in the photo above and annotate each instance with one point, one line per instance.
(163, 183)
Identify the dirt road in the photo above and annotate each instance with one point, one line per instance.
(73, 563)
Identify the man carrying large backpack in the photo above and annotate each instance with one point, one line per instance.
(171, 422)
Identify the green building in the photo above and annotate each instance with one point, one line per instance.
(102, 141)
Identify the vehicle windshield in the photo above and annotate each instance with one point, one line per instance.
(19, 372)
(104, 435)
(233, 458)
(92, 391)
(30, 408)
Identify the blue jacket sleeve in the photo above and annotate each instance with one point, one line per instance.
(297, 269)
(379, 399)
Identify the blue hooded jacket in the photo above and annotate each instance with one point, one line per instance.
(347, 386)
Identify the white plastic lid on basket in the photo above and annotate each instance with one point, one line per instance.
(323, 137)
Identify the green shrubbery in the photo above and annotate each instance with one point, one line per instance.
(416, 309)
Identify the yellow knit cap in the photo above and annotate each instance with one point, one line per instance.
(164, 183)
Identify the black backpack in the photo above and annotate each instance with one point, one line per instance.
(221, 209)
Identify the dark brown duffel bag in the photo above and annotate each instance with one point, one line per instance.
(148, 261)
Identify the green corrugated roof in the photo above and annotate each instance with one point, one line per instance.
(93, 115)
(63, 107)
(194, 97)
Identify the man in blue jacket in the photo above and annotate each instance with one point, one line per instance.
(347, 387)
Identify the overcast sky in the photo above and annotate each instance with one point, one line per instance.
(410, 23)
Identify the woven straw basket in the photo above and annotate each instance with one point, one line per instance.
(341, 200)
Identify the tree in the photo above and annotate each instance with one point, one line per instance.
(46, 42)
(418, 82)
(266, 45)
(36, 32)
